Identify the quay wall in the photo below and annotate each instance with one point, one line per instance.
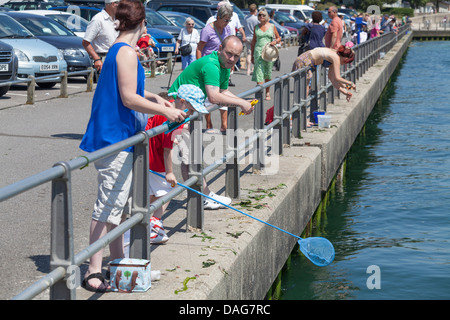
(315, 157)
(234, 256)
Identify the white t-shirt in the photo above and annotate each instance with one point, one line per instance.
(191, 38)
(100, 32)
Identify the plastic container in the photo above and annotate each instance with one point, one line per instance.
(324, 121)
(317, 113)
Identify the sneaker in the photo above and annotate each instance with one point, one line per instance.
(230, 84)
(157, 233)
(220, 199)
(210, 205)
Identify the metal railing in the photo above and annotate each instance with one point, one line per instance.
(63, 260)
(89, 72)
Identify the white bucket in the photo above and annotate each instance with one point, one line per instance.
(324, 121)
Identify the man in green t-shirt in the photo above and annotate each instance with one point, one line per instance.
(211, 74)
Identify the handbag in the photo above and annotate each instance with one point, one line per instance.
(186, 49)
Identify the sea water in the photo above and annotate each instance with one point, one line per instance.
(390, 220)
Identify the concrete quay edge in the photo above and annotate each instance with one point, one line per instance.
(236, 257)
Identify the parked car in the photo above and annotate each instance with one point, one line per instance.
(71, 21)
(289, 20)
(35, 57)
(349, 12)
(199, 9)
(85, 12)
(31, 5)
(54, 33)
(301, 12)
(283, 32)
(8, 66)
(164, 41)
(158, 21)
(179, 18)
(294, 33)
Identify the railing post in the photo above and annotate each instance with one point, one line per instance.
(63, 86)
(304, 83)
(140, 233)
(277, 129)
(31, 87)
(259, 153)
(232, 172)
(314, 101)
(153, 68)
(296, 114)
(323, 89)
(61, 242)
(195, 217)
(90, 80)
(286, 109)
(169, 63)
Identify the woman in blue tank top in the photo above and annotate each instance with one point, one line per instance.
(119, 110)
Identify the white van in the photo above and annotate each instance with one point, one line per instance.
(301, 12)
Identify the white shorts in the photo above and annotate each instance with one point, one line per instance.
(158, 186)
(114, 185)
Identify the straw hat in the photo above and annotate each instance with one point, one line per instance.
(269, 53)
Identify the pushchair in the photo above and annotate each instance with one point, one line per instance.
(277, 64)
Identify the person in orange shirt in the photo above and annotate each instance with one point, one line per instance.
(333, 36)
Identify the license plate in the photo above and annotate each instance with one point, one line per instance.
(165, 49)
(4, 67)
(49, 67)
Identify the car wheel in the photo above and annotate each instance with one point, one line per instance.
(46, 85)
(4, 90)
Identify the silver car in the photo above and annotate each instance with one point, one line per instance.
(36, 57)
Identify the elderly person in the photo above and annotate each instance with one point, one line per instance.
(188, 36)
(264, 33)
(333, 36)
(101, 33)
(211, 37)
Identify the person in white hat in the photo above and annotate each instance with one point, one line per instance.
(191, 98)
(101, 33)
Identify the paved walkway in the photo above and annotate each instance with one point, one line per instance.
(33, 138)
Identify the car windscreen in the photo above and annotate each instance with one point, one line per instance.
(155, 18)
(44, 27)
(9, 28)
(72, 22)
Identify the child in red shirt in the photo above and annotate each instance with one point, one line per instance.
(160, 156)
